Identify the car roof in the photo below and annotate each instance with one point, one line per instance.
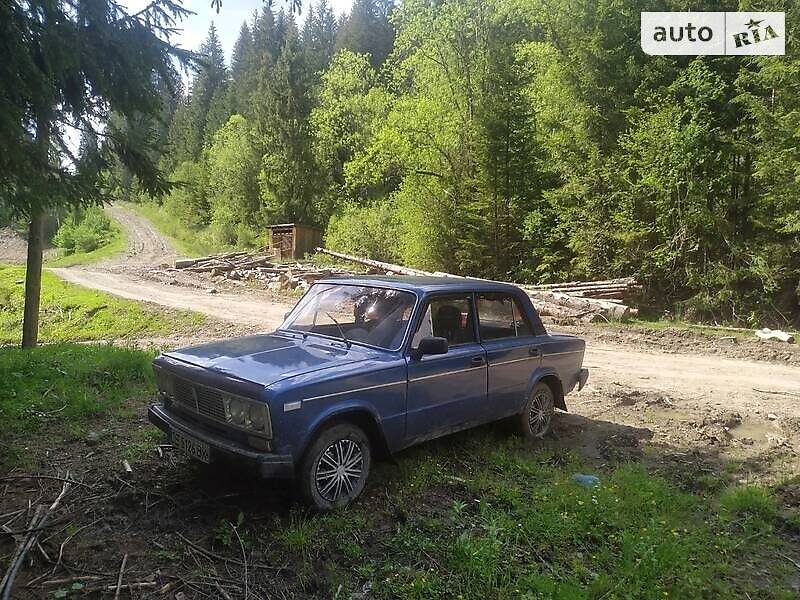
(424, 285)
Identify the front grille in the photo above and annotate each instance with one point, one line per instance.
(200, 399)
(209, 403)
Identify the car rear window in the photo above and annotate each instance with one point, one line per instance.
(499, 316)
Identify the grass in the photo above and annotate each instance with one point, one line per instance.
(61, 387)
(116, 245)
(188, 242)
(483, 515)
(73, 313)
(490, 518)
(68, 382)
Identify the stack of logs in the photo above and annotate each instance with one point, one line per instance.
(573, 301)
(244, 266)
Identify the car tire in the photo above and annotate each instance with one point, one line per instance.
(335, 467)
(537, 415)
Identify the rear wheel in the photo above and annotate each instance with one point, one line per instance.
(335, 468)
(536, 417)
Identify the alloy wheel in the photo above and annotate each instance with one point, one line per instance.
(339, 469)
(541, 412)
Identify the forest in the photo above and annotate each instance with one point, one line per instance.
(526, 140)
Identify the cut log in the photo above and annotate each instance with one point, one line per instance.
(622, 281)
(377, 264)
(610, 310)
(554, 303)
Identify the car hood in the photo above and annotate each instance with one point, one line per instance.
(265, 359)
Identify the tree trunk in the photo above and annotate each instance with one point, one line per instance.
(33, 280)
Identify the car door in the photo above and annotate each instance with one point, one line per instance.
(513, 351)
(446, 392)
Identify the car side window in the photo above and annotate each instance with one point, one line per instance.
(450, 318)
(500, 317)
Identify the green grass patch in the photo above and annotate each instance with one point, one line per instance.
(73, 313)
(116, 244)
(482, 515)
(68, 381)
(61, 387)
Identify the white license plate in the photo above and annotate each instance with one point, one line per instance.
(191, 447)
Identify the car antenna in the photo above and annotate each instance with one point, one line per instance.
(339, 327)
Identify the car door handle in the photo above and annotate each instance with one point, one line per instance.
(478, 361)
(535, 351)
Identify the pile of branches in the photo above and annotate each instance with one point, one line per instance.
(244, 266)
(51, 534)
(565, 302)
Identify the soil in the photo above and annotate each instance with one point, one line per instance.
(139, 274)
(14, 248)
(713, 342)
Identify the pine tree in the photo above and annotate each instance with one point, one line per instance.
(75, 63)
(287, 178)
(368, 30)
(319, 36)
(243, 71)
(205, 109)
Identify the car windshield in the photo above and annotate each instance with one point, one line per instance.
(368, 315)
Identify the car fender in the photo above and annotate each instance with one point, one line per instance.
(339, 410)
(540, 373)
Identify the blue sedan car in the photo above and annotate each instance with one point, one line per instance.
(364, 367)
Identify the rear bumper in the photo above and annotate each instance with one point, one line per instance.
(266, 464)
(583, 376)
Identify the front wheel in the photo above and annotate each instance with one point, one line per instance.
(335, 468)
(537, 415)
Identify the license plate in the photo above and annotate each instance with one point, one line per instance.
(191, 447)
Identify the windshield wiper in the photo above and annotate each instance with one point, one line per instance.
(339, 327)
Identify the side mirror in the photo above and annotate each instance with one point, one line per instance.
(286, 314)
(430, 345)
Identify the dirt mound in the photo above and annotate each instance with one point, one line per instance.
(688, 341)
(13, 247)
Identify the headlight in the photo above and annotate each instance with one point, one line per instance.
(237, 411)
(247, 415)
(257, 417)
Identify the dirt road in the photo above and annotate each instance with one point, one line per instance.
(679, 394)
(145, 245)
(122, 276)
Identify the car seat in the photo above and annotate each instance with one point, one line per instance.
(447, 324)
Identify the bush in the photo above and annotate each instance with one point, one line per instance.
(84, 231)
(371, 230)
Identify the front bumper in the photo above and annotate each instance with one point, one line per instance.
(266, 464)
(583, 376)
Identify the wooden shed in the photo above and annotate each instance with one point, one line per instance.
(293, 241)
